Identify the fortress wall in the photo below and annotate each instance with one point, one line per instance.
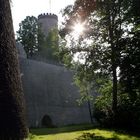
(49, 89)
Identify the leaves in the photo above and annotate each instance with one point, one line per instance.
(108, 50)
(30, 35)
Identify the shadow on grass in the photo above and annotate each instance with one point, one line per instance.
(92, 136)
(73, 128)
(135, 133)
(45, 131)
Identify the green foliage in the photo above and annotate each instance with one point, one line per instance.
(30, 35)
(49, 48)
(104, 100)
(110, 49)
(128, 111)
(103, 104)
(104, 20)
(113, 32)
(128, 115)
(85, 83)
(130, 66)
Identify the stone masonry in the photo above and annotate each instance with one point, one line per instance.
(49, 90)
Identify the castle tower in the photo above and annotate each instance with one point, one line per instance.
(48, 22)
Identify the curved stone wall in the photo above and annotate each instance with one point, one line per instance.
(48, 22)
(49, 90)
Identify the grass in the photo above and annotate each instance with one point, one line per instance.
(80, 132)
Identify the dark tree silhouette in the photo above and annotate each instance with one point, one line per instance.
(12, 109)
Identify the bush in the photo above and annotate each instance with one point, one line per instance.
(127, 117)
(102, 106)
(128, 113)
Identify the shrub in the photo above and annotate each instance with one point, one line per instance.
(128, 110)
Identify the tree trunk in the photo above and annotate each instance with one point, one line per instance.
(114, 94)
(90, 111)
(12, 109)
(113, 63)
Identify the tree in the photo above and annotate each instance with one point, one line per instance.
(130, 62)
(12, 107)
(30, 35)
(107, 23)
(49, 47)
(85, 83)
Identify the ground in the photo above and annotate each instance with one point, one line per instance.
(80, 132)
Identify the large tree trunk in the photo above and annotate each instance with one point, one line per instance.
(12, 109)
(114, 94)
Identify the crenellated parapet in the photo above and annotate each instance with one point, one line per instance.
(48, 22)
(48, 15)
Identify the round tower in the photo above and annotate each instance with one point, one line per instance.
(48, 22)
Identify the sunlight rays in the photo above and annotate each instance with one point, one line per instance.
(78, 30)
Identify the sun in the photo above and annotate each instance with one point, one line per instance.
(78, 30)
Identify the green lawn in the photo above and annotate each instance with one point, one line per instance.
(82, 132)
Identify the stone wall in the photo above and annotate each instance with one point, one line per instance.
(49, 90)
(48, 22)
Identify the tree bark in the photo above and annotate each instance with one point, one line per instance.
(113, 63)
(90, 111)
(12, 108)
(114, 94)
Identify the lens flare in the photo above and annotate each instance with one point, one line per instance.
(78, 30)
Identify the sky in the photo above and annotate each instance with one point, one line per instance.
(23, 8)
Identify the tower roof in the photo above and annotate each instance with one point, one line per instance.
(48, 15)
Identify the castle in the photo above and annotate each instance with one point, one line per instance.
(49, 89)
(48, 21)
(49, 25)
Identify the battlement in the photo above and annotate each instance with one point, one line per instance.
(48, 15)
